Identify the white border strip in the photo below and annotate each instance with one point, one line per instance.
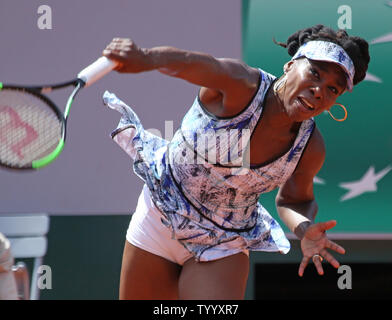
(351, 236)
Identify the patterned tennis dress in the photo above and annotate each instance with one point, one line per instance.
(200, 181)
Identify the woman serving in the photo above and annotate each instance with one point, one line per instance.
(247, 133)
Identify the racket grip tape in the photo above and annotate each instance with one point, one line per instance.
(96, 70)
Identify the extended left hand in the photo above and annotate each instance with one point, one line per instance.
(315, 242)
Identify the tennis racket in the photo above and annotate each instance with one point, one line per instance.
(32, 127)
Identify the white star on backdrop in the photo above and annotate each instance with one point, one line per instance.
(368, 183)
(317, 180)
(385, 38)
(372, 77)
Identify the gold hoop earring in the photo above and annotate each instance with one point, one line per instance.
(280, 83)
(345, 115)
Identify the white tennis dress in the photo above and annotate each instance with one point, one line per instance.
(200, 182)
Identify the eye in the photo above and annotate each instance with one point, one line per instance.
(334, 90)
(315, 73)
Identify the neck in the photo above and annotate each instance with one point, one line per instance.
(275, 114)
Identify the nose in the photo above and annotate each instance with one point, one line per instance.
(316, 91)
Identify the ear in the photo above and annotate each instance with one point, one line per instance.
(288, 66)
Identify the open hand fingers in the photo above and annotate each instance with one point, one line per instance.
(303, 265)
(317, 259)
(323, 226)
(329, 257)
(334, 246)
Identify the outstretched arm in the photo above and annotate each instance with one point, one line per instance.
(232, 79)
(295, 200)
(296, 206)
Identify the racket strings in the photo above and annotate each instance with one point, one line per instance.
(29, 128)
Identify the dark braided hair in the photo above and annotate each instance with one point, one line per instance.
(357, 48)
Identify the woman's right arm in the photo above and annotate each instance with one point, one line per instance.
(232, 79)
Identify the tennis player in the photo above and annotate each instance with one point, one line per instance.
(198, 215)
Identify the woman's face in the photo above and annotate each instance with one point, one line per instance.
(311, 87)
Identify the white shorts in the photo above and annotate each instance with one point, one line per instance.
(147, 232)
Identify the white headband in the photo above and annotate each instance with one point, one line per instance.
(331, 52)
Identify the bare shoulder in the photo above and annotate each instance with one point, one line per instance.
(241, 84)
(314, 154)
(239, 73)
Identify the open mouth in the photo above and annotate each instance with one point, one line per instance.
(306, 104)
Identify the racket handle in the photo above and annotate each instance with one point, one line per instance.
(96, 70)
